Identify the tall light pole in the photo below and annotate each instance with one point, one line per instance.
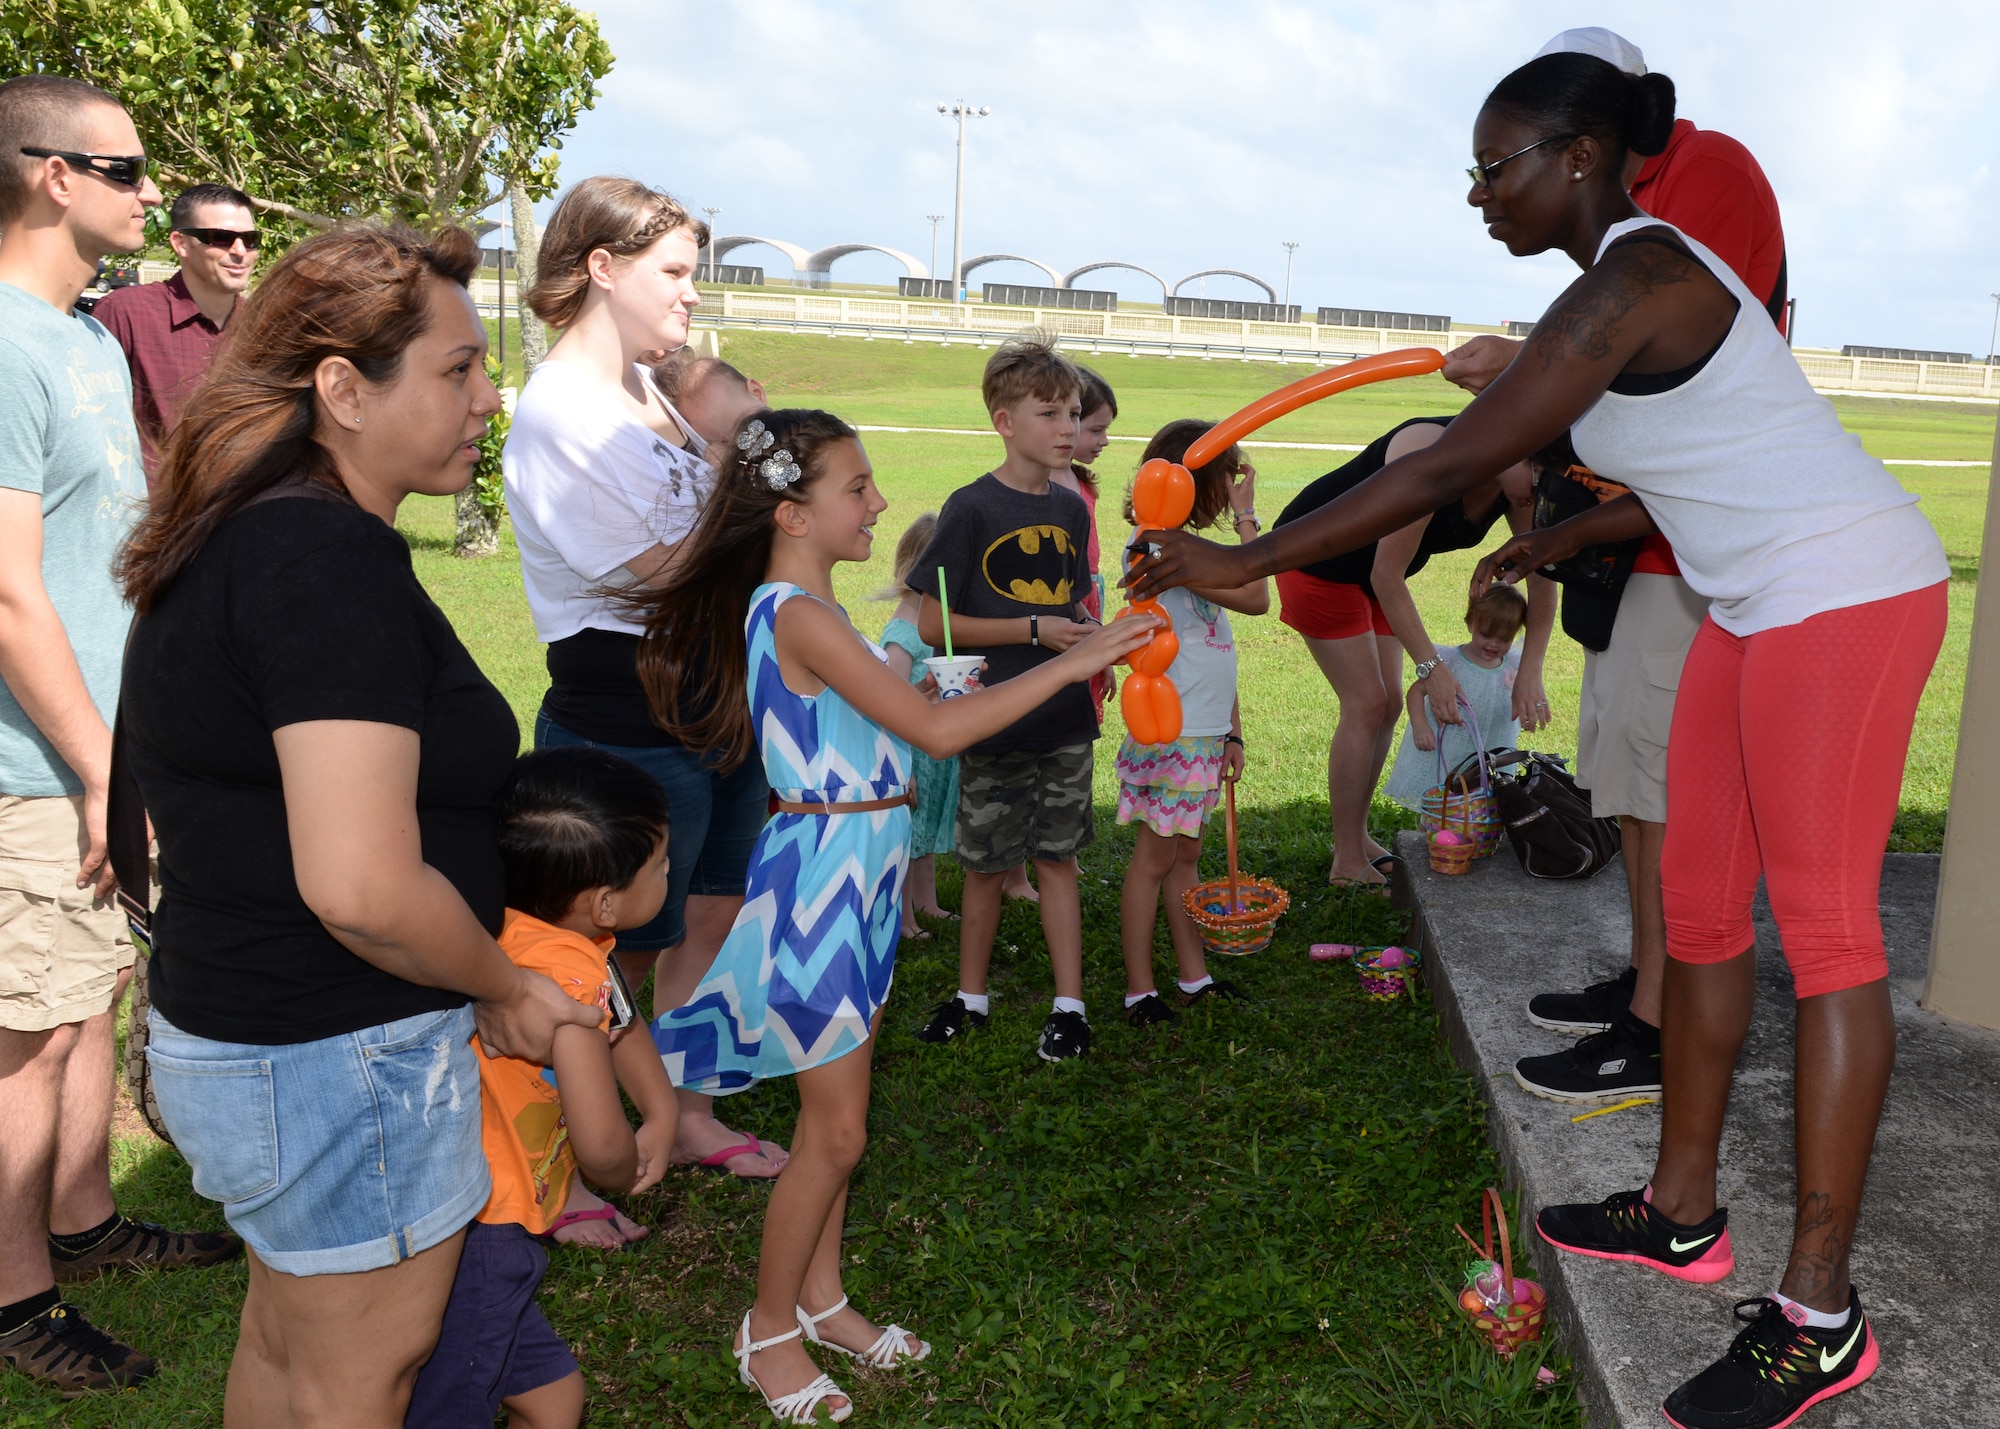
(1995, 334)
(1290, 249)
(936, 219)
(711, 212)
(962, 112)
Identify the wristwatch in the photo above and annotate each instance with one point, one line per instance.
(1239, 517)
(1034, 630)
(1424, 667)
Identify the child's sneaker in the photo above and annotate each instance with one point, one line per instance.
(1064, 1035)
(1778, 1368)
(1219, 988)
(1626, 1227)
(948, 1019)
(1149, 1011)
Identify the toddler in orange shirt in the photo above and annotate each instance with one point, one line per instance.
(583, 835)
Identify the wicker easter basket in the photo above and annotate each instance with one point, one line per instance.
(1520, 1321)
(1237, 914)
(1386, 984)
(1455, 803)
(1456, 856)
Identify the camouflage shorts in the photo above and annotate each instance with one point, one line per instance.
(1030, 803)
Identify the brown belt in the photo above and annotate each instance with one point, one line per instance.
(907, 799)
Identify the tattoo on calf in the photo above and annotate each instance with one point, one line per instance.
(1585, 322)
(1821, 1235)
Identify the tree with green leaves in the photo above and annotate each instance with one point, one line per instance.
(427, 111)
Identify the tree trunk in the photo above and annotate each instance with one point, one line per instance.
(527, 252)
(478, 533)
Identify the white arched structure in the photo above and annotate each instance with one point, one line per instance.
(823, 261)
(1069, 278)
(965, 273)
(719, 250)
(1269, 291)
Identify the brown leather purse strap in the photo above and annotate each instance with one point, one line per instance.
(907, 799)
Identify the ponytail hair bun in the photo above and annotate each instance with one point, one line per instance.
(1649, 113)
(1572, 93)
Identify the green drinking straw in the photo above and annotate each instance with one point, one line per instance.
(945, 606)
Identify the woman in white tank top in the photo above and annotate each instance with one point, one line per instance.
(1794, 711)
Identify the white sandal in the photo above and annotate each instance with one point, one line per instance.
(801, 1405)
(888, 1351)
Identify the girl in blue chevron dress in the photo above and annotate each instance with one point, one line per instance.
(798, 987)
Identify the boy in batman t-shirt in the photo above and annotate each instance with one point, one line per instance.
(1012, 549)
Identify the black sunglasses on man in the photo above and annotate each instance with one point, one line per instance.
(127, 169)
(223, 237)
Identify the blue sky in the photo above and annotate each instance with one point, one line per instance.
(1184, 136)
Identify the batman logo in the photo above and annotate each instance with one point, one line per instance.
(1033, 565)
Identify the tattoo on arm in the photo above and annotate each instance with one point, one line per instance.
(1586, 323)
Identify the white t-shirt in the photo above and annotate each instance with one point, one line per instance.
(1205, 670)
(590, 487)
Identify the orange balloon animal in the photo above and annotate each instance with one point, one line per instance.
(1405, 362)
(1152, 709)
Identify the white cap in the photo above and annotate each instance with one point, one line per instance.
(1596, 40)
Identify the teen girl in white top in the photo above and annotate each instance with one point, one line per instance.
(604, 480)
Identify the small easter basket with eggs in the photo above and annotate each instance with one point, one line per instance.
(1455, 804)
(1387, 973)
(1508, 1311)
(1237, 914)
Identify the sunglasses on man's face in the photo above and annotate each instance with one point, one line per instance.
(128, 169)
(223, 237)
(1482, 174)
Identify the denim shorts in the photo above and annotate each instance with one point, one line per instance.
(330, 1157)
(714, 820)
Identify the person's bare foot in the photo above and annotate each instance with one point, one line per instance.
(784, 1368)
(1344, 875)
(943, 915)
(613, 1234)
(702, 1138)
(1016, 885)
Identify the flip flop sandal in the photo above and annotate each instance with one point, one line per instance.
(1380, 864)
(751, 1147)
(570, 1218)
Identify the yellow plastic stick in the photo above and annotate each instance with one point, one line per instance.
(1616, 1106)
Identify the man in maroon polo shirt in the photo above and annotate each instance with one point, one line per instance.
(1707, 185)
(170, 330)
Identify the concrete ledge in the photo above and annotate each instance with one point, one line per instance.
(1927, 1258)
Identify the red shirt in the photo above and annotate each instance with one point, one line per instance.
(169, 342)
(1711, 188)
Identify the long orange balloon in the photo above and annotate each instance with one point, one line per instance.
(1405, 362)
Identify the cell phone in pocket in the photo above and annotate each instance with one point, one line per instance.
(624, 1009)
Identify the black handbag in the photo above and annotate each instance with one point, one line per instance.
(1593, 580)
(1548, 819)
(130, 854)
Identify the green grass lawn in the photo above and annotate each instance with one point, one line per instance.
(1242, 1220)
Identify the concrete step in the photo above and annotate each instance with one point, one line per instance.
(1927, 1253)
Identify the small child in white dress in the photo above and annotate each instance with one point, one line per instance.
(1485, 666)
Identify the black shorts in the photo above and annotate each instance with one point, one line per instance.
(495, 1342)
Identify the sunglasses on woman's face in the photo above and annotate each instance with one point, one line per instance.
(1482, 174)
(223, 237)
(128, 169)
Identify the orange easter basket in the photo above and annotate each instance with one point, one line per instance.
(1237, 914)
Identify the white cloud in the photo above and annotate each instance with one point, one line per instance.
(1184, 136)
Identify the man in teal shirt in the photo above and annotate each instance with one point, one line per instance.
(73, 188)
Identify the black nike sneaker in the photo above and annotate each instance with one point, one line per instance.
(1219, 988)
(1778, 1368)
(1150, 1011)
(1599, 1068)
(1626, 1227)
(1064, 1035)
(948, 1020)
(1592, 1010)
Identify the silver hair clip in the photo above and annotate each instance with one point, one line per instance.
(779, 470)
(754, 441)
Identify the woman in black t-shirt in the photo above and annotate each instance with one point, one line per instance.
(320, 757)
(1357, 617)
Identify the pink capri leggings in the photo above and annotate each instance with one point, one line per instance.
(1786, 760)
